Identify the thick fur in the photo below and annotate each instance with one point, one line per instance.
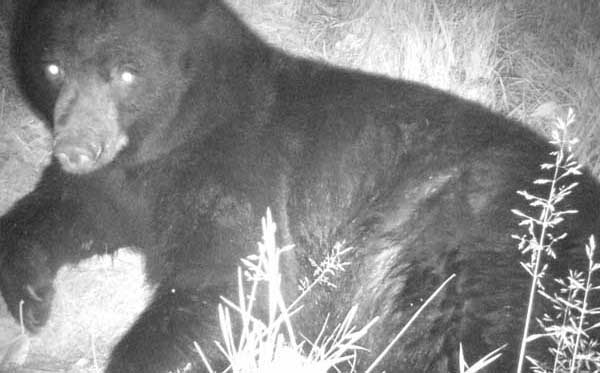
(215, 126)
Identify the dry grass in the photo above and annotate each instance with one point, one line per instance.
(420, 41)
(551, 57)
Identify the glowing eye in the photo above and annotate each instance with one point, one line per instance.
(127, 77)
(53, 70)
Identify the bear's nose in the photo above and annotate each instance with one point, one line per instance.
(76, 158)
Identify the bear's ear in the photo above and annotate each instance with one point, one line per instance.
(185, 11)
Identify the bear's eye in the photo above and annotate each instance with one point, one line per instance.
(124, 74)
(54, 72)
(127, 77)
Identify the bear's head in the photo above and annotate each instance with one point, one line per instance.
(121, 82)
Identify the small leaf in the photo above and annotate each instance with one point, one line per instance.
(527, 195)
(556, 221)
(546, 166)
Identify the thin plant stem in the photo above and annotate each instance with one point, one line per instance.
(538, 251)
(583, 312)
(408, 324)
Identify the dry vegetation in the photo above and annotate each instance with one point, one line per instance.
(530, 59)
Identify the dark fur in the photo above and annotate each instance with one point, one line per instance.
(220, 126)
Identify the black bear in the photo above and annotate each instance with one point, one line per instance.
(175, 128)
